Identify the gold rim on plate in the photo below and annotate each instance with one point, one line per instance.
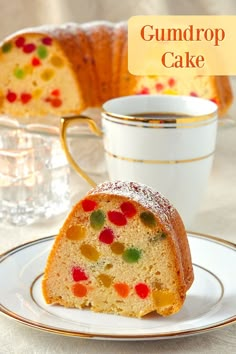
(70, 333)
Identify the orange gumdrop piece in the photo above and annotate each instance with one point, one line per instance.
(47, 74)
(117, 247)
(122, 289)
(56, 61)
(79, 290)
(76, 232)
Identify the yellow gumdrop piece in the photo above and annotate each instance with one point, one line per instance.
(163, 297)
(28, 69)
(47, 74)
(153, 77)
(105, 279)
(169, 92)
(89, 252)
(56, 61)
(108, 266)
(117, 247)
(76, 232)
(37, 93)
(1, 98)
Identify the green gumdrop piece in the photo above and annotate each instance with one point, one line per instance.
(19, 73)
(6, 47)
(97, 219)
(148, 219)
(42, 52)
(131, 255)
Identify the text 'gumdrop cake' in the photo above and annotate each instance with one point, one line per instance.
(123, 249)
(64, 69)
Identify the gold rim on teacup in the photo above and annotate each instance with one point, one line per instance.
(160, 162)
(171, 120)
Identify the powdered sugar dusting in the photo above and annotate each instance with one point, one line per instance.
(142, 194)
(70, 27)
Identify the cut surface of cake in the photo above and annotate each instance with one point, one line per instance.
(64, 69)
(37, 77)
(123, 249)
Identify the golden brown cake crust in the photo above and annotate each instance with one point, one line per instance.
(118, 42)
(100, 37)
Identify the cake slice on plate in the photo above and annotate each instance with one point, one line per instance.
(123, 250)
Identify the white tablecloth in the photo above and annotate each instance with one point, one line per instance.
(217, 217)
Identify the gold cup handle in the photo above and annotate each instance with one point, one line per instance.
(65, 123)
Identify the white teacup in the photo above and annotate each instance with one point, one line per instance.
(166, 142)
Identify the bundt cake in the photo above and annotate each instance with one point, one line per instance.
(123, 250)
(62, 70)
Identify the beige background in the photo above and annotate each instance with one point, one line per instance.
(17, 14)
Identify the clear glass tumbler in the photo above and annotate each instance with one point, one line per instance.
(34, 177)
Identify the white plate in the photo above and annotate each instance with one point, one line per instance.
(210, 303)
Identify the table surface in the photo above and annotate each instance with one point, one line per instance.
(216, 217)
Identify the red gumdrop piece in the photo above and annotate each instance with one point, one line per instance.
(29, 48)
(79, 274)
(106, 236)
(171, 82)
(20, 41)
(56, 102)
(25, 97)
(88, 204)
(117, 218)
(144, 91)
(55, 93)
(142, 290)
(36, 62)
(214, 100)
(194, 94)
(128, 209)
(47, 40)
(159, 86)
(11, 96)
